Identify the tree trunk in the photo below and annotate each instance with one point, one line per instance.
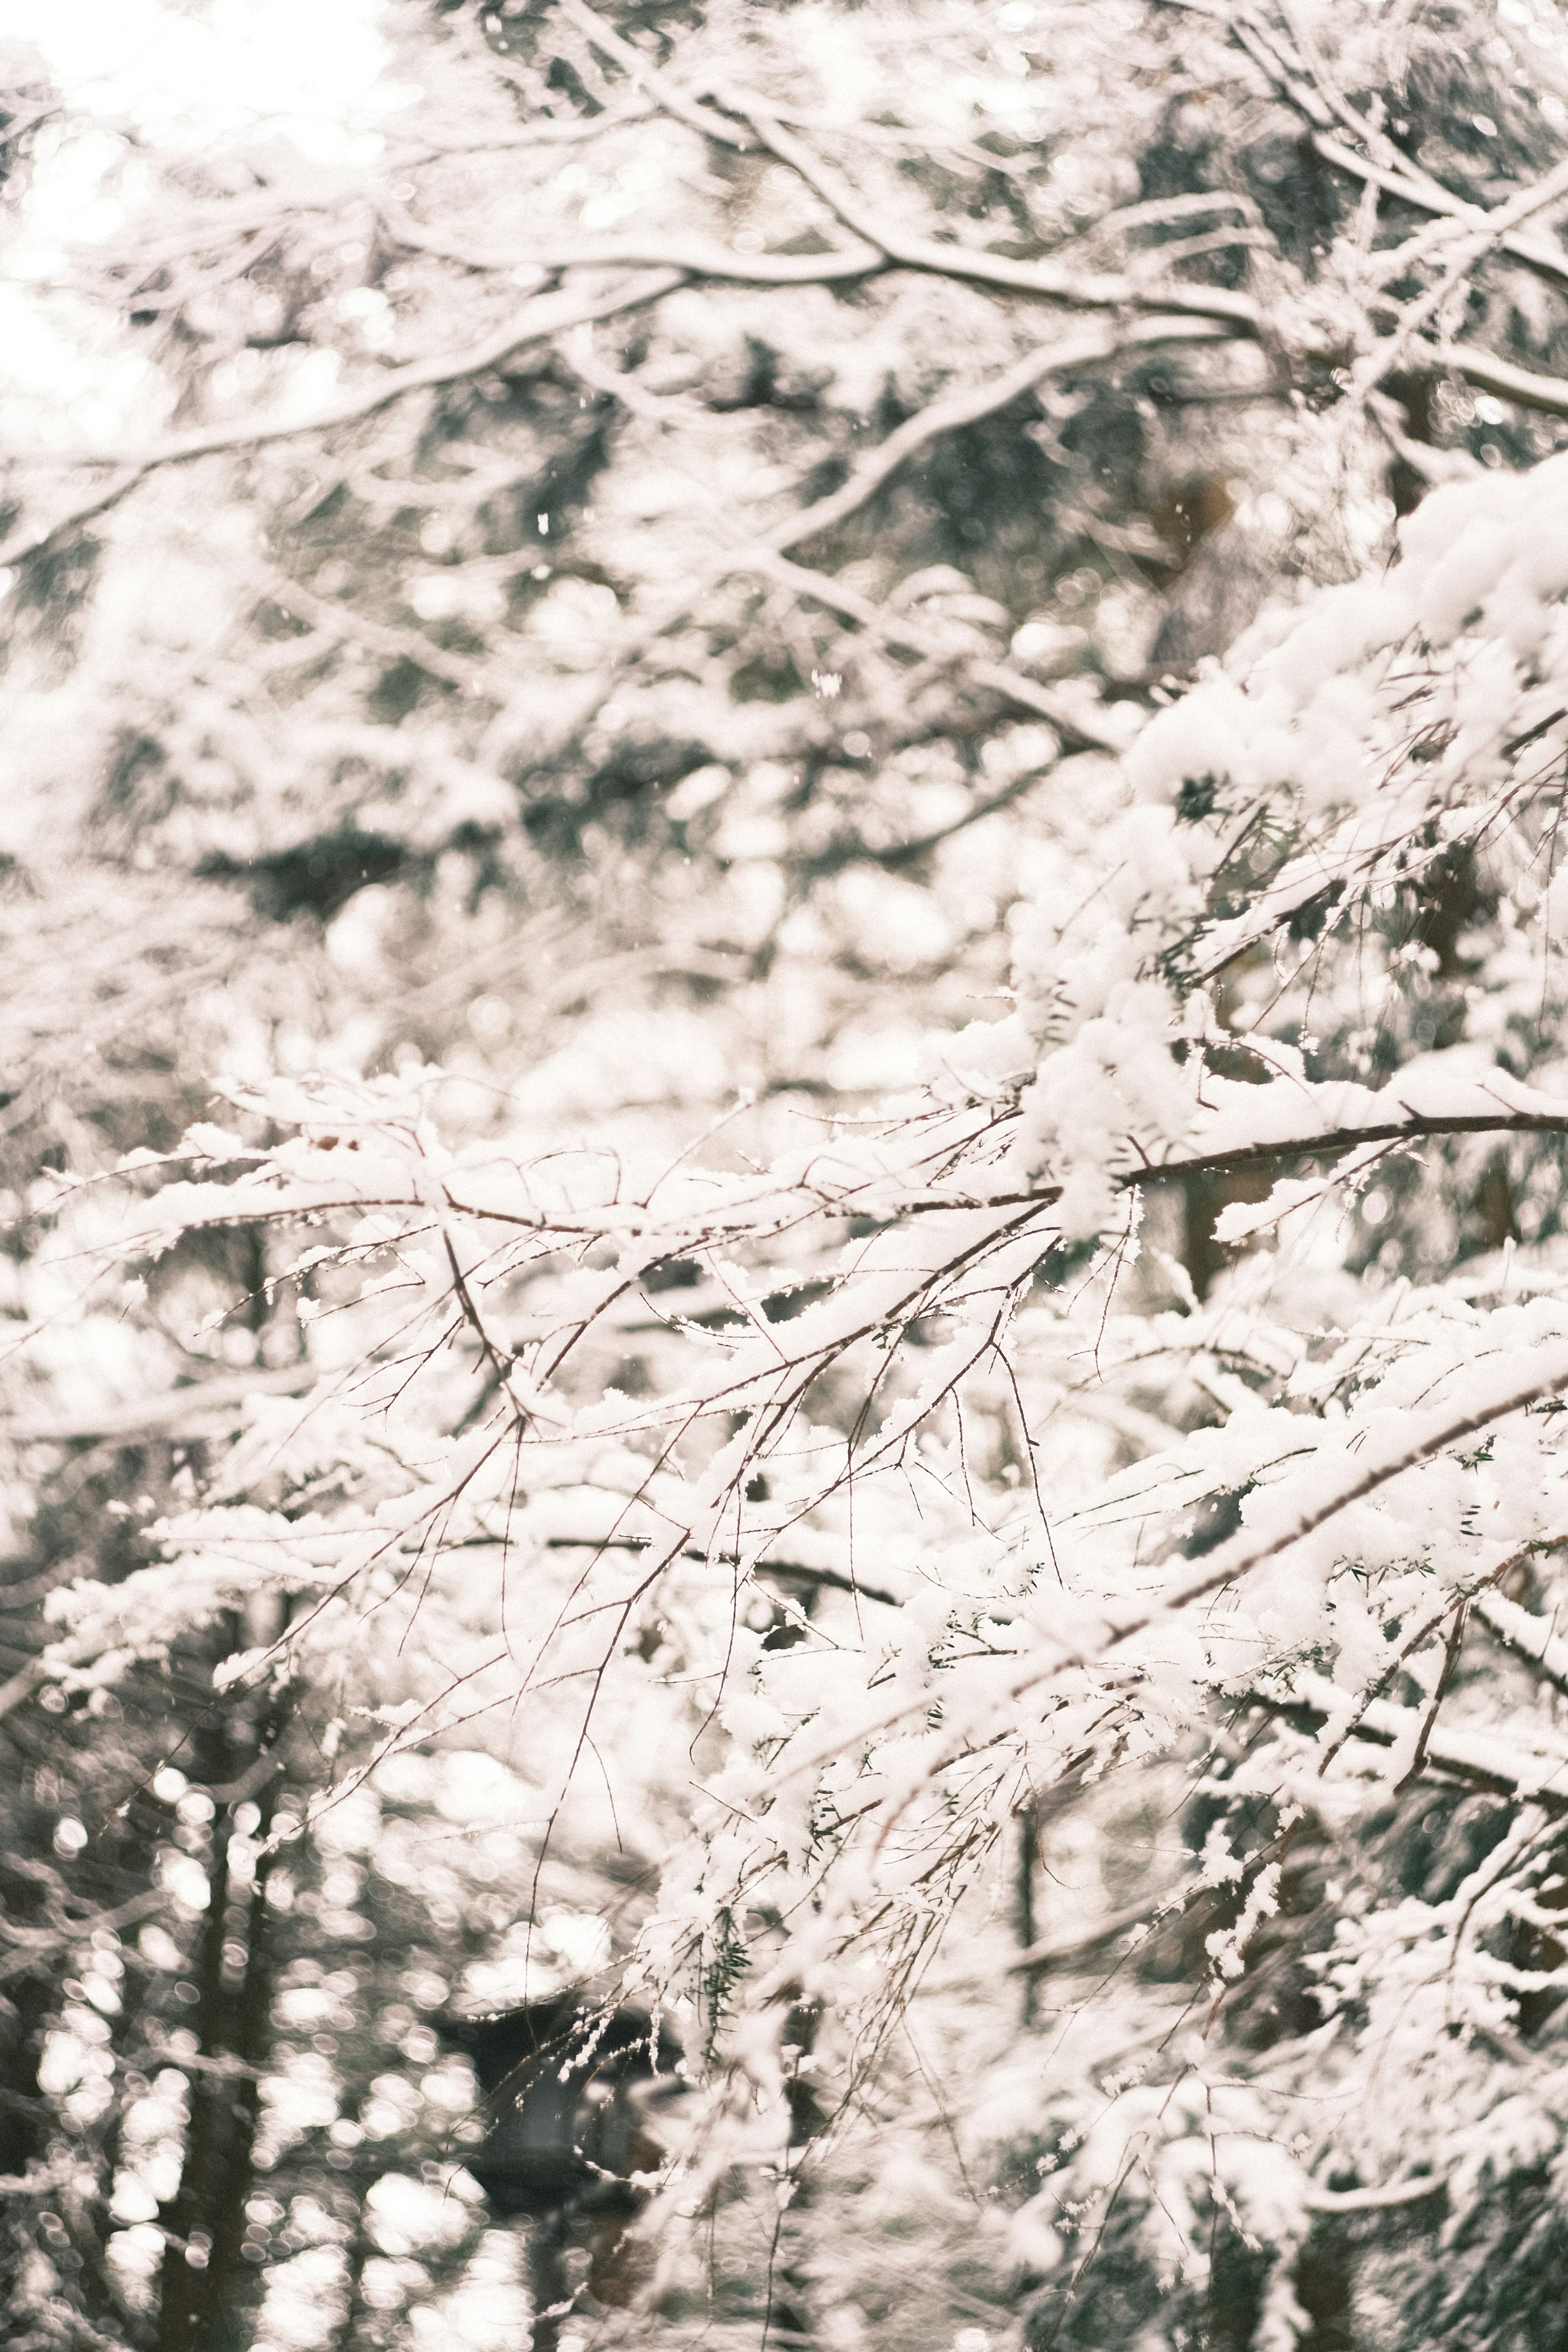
(548, 2285)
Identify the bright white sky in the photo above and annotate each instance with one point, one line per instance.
(185, 69)
(185, 73)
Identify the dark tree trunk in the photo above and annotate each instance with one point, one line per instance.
(548, 2285)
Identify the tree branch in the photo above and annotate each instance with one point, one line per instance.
(1041, 1959)
(1533, 1639)
(648, 77)
(830, 1577)
(1418, 1438)
(160, 1416)
(1478, 1758)
(699, 256)
(1078, 732)
(943, 415)
(962, 265)
(1374, 2201)
(1437, 203)
(951, 414)
(1489, 374)
(341, 623)
(1411, 1128)
(1461, 1756)
(1387, 169)
(1042, 279)
(542, 320)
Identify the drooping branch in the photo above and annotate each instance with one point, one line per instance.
(1091, 1638)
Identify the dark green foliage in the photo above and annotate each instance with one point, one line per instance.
(1108, 2292)
(319, 877)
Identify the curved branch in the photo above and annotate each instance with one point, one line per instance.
(958, 409)
(1374, 2201)
(329, 617)
(962, 265)
(1042, 280)
(543, 320)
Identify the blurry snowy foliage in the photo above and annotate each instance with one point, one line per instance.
(783, 1117)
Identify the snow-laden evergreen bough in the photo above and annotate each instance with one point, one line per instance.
(940, 1497)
